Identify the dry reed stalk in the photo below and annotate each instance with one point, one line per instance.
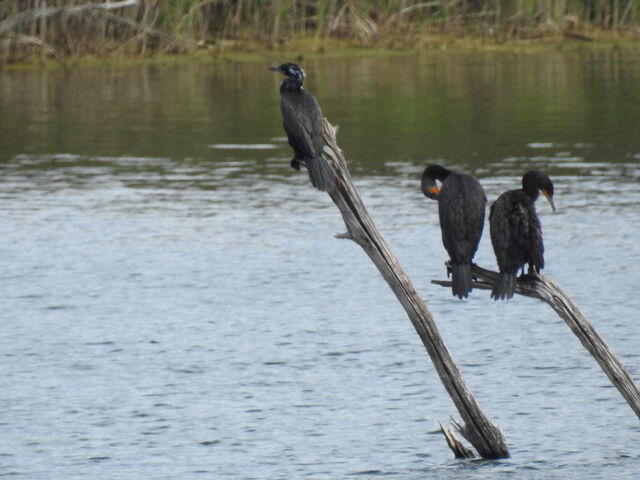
(76, 27)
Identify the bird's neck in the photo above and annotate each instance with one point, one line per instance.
(291, 84)
(532, 192)
(438, 173)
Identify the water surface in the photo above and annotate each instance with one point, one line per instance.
(174, 303)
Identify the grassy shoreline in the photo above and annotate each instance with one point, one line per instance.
(309, 48)
(37, 31)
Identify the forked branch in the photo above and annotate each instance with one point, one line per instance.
(543, 288)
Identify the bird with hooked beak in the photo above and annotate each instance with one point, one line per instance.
(516, 234)
(461, 206)
(302, 121)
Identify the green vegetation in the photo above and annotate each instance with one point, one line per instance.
(69, 28)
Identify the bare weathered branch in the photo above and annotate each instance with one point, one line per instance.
(456, 446)
(543, 288)
(478, 429)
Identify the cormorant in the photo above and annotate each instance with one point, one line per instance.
(461, 206)
(516, 233)
(302, 120)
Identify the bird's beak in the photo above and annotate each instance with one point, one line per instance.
(275, 69)
(430, 190)
(549, 198)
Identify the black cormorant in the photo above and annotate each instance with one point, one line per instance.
(302, 120)
(516, 233)
(461, 206)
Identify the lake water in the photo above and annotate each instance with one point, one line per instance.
(175, 305)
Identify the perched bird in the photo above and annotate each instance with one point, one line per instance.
(516, 233)
(461, 206)
(302, 120)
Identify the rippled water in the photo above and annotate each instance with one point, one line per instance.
(174, 303)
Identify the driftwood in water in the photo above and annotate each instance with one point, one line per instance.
(543, 288)
(478, 429)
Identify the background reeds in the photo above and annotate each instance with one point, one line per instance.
(67, 28)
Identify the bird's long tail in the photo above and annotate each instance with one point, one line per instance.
(461, 280)
(321, 175)
(504, 287)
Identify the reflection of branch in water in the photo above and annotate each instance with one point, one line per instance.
(543, 288)
(478, 429)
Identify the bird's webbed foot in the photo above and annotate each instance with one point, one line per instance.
(530, 275)
(296, 163)
(449, 267)
(531, 271)
(523, 273)
(473, 265)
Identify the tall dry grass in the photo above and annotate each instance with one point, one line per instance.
(64, 28)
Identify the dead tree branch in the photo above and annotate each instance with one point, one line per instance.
(543, 288)
(29, 15)
(478, 429)
(106, 9)
(456, 446)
